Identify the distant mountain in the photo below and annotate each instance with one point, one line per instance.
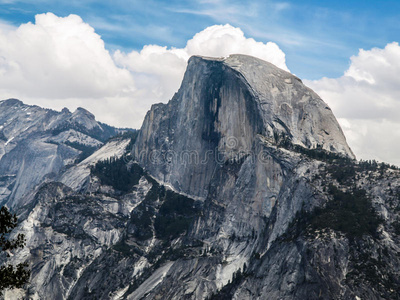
(36, 143)
(241, 187)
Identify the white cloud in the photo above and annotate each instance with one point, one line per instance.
(59, 62)
(158, 71)
(221, 40)
(366, 99)
(59, 58)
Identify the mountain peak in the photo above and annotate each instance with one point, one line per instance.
(286, 105)
(65, 110)
(83, 112)
(242, 62)
(11, 102)
(226, 105)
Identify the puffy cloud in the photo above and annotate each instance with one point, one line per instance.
(59, 62)
(59, 58)
(366, 100)
(221, 40)
(158, 71)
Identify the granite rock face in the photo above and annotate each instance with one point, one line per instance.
(37, 143)
(241, 187)
(222, 107)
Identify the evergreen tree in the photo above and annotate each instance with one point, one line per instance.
(11, 276)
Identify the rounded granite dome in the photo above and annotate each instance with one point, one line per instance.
(228, 107)
(287, 106)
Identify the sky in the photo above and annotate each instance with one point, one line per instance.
(116, 58)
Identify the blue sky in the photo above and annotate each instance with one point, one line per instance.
(318, 37)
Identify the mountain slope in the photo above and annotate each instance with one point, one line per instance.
(241, 187)
(37, 143)
(220, 109)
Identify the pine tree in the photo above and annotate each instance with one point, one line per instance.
(11, 276)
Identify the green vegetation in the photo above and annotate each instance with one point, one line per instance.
(171, 218)
(117, 173)
(86, 150)
(344, 173)
(10, 276)
(320, 154)
(396, 226)
(142, 220)
(373, 267)
(128, 133)
(123, 248)
(2, 136)
(71, 269)
(142, 216)
(284, 141)
(348, 212)
(174, 216)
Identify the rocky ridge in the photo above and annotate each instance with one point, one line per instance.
(241, 187)
(36, 143)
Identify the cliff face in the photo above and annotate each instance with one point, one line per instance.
(241, 187)
(36, 143)
(221, 110)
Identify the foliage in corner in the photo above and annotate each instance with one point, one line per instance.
(10, 276)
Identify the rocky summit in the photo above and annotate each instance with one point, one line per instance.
(229, 108)
(37, 143)
(241, 187)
